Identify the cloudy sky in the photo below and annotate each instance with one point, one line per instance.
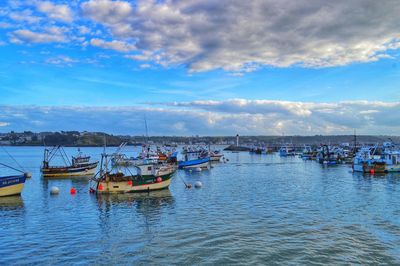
(261, 67)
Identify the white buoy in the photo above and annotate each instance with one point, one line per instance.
(198, 169)
(28, 175)
(54, 191)
(198, 184)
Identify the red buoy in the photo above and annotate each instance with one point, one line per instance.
(159, 179)
(73, 191)
(101, 186)
(130, 183)
(372, 171)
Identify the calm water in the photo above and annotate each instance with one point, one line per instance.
(252, 209)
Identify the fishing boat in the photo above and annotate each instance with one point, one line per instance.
(150, 176)
(366, 161)
(194, 163)
(378, 160)
(287, 150)
(12, 185)
(80, 165)
(215, 156)
(194, 158)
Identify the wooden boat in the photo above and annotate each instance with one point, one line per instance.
(215, 156)
(11, 185)
(80, 166)
(195, 163)
(149, 177)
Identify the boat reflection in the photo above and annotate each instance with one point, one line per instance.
(143, 202)
(11, 203)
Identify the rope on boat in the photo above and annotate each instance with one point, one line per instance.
(18, 170)
(20, 166)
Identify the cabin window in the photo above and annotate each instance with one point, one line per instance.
(115, 186)
(149, 168)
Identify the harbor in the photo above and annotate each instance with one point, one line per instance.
(246, 203)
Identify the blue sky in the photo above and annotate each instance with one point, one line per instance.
(197, 67)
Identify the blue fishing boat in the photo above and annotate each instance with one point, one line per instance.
(11, 185)
(201, 162)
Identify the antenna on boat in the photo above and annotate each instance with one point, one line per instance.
(147, 133)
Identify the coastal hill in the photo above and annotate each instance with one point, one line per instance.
(76, 138)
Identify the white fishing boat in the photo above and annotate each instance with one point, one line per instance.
(287, 150)
(215, 156)
(149, 176)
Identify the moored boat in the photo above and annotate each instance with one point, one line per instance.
(80, 165)
(287, 150)
(149, 177)
(215, 156)
(11, 185)
(194, 163)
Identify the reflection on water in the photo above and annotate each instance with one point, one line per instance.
(254, 209)
(10, 203)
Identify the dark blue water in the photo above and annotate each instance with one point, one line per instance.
(252, 209)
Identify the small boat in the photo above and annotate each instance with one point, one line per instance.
(287, 150)
(11, 185)
(215, 156)
(149, 177)
(80, 165)
(194, 163)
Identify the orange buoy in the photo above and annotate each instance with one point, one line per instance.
(73, 191)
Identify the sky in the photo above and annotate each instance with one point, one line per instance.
(206, 67)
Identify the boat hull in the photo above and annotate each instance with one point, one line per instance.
(368, 168)
(11, 185)
(215, 158)
(148, 183)
(66, 172)
(202, 163)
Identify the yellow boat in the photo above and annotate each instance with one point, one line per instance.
(11, 185)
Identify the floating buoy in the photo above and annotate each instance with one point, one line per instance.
(198, 169)
(130, 183)
(91, 190)
(372, 171)
(198, 184)
(27, 175)
(54, 191)
(189, 186)
(100, 187)
(72, 191)
(159, 179)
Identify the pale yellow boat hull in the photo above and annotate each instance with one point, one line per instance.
(124, 187)
(11, 190)
(86, 173)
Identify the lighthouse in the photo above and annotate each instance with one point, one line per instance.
(237, 140)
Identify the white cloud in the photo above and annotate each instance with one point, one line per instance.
(107, 11)
(52, 34)
(57, 12)
(247, 117)
(61, 60)
(4, 124)
(119, 46)
(240, 36)
(25, 16)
